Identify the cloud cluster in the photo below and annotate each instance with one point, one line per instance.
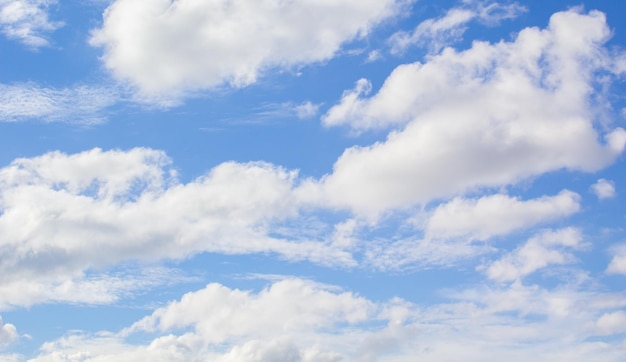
(462, 122)
(486, 117)
(27, 21)
(299, 320)
(69, 214)
(165, 48)
(64, 214)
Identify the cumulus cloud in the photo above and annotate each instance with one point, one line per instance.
(8, 333)
(300, 320)
(80, 104)
(546, 248)
(603, 189)
(612, 323)
(27, 21)
(485, 117)
(64, 214)
(439, 32)
(70, 214)
(618, 262)
(166, 48)
(497, 215)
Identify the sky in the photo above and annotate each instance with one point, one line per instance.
(312, 180)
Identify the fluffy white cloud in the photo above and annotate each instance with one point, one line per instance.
(618, 262)
(299, 320)
(612, 323)
(217, 313)
(27, 21)
(437, 33)
(8, 333)
(81, 104)
(169, 47)
(61, 215)
(546, 248)
(604, 189)
(488, 116)
(497, 215)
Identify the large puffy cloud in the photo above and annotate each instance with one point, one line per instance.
(484, 117)
(166, 47)
(299, 320)
(62, 215)
(27, 21)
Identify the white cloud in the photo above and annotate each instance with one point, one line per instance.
(497, 215)
(306, 110)
(612, 323)
(618, 262)
(27, 21)
(456, 230)
(218, 314)
(604, 189)
(80, 104)
(299, 320)
(87, 288)
(167, 48)
(489, 116)
(8, 333)
(546, 248)
(272, 112)
(437, 33)
(61, 215)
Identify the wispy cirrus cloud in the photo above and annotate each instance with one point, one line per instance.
(437, 33)
(27, 21)
(81, 104)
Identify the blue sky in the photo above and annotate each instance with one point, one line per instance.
(349, 180)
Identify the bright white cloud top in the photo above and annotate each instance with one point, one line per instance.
(165, 47)
(312, 181)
